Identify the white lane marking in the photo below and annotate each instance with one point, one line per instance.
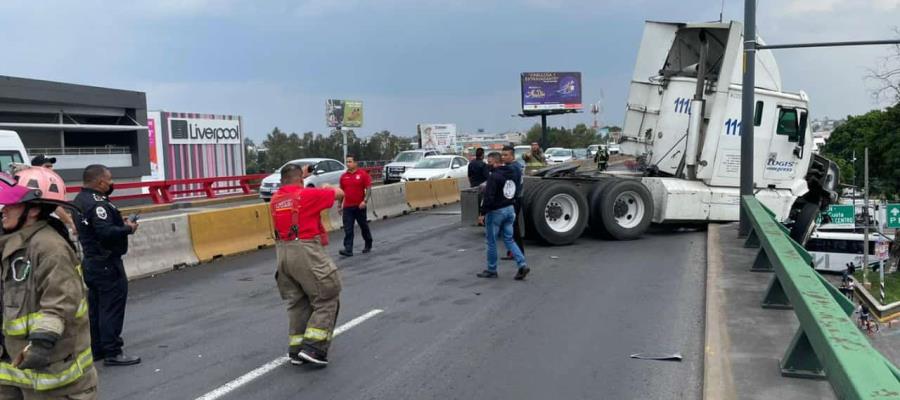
(269, 366)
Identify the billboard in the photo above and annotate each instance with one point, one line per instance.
(551, 91)
(205, 131)
(344, 113)
(440, 137)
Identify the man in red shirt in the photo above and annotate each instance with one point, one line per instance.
(307, 278)
(357, 185)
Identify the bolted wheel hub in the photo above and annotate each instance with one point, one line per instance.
(554, 211)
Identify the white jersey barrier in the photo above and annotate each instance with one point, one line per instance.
(159, 245)
(388, 201)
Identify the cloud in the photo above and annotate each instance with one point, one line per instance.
(804, 6)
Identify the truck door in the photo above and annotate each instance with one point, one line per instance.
(786, 147)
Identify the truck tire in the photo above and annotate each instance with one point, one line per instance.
(805, 223)
(531, 188)
(559, 213)
(622, 210)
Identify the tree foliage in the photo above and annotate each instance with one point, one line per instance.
(879, 130)
(281, 147)
(579, 137)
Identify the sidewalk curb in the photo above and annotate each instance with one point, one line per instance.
(718, 379)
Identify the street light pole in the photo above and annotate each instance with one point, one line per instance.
(748, 85)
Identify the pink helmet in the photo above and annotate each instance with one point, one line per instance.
(33, 185)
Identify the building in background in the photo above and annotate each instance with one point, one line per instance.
(188, 145)
(79, 125)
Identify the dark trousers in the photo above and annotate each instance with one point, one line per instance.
(107, 295)
(356, 215)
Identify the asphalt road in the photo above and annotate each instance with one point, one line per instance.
(565, 333)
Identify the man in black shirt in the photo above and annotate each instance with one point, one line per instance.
(104, 237)
(478, 170)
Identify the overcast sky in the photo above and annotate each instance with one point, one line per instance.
(410, 61)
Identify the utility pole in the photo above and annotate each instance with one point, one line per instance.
(747, 88)
(866, 222)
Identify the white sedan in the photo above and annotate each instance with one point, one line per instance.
(558, 156)
(437, 167)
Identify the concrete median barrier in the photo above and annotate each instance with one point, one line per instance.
(388, 201)
(230, 231)
(159, 245)
(446, 191)
(420, 195)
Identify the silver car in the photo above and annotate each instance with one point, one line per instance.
(325, 170)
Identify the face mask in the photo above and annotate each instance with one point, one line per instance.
(110, 190)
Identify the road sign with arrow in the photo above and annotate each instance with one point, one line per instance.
(893, 216)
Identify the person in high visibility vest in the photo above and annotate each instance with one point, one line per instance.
(307, 278)
(46, 347)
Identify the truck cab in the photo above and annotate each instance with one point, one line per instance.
(12, 151)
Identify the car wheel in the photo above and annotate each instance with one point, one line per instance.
(559, 213)
(622, 210)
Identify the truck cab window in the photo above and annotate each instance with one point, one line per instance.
(788, 124)
(9, 157)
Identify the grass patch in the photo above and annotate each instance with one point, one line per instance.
(891, 285)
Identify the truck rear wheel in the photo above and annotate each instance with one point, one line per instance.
(622, 210)
(559, 213)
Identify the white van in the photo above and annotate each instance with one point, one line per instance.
(11, 150)
(833, 250)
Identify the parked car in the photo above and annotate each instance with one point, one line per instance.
(614, 149)
(406, 159)
(437, 167)
(519, 151)
(558, 155)
(325, 170)
(580, 154)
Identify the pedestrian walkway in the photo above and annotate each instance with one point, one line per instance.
(745, 342)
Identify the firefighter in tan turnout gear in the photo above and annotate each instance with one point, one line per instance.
(46, 348)
(307, 278)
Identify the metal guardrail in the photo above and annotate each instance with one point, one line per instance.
(79, 151)
(828, 344)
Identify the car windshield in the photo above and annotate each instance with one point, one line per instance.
(409, 157)
(434, 163)
(581, 152)
(559, 152)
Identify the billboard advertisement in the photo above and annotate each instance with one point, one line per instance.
(551, 91)
(205, 131)
(344, 113)
(440, 137)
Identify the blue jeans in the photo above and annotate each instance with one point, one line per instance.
(501, 221)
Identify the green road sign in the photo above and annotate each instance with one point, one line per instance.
(893, 216)
(841, 215)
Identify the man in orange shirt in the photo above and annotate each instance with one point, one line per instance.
(357, 186)
(308, 279)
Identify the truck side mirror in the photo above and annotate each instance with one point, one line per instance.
(802, 128)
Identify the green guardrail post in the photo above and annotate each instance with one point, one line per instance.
(800, 360)
(752, 240)
(762, 262)
(775, 297)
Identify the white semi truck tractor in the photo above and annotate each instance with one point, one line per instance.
(683, 124)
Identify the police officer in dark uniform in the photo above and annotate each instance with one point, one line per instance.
(104, 237)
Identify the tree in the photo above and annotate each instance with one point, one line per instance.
(879, 130)
(887, 75)
(251, 157)
(282, 147)
(579, 137)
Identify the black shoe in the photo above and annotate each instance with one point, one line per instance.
(295, 359)
(507, 258)
(345, 253)
(121, 359)
(521, 274)
(486, 274)
(366, 250)
(313, 357)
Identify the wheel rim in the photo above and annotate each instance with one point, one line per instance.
(561, 213)
(628, 209)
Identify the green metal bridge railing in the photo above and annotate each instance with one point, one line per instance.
(828, 343)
